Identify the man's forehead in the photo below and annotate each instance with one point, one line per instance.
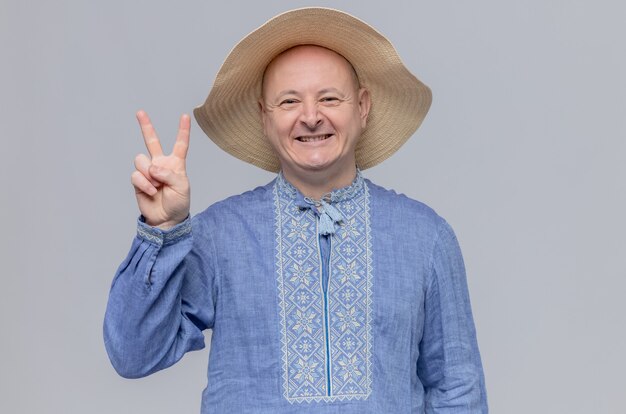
(321, 52)
(307, 49)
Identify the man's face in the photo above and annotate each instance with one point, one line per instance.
(313, 110)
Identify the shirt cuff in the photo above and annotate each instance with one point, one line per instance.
(161, 237)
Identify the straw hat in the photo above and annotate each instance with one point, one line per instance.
(231, 116)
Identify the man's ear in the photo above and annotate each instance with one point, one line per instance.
(365, 104)
(263, 113)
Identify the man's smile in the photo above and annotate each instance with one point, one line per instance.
(313, 138)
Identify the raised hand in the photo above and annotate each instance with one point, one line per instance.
(161, 183)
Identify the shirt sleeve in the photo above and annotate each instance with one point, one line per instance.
(161, 299)
(449, 364)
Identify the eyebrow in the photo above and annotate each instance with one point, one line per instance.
(294, 92)
(326, 90)
(287, 92)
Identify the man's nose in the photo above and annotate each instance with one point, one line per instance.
(311, 116)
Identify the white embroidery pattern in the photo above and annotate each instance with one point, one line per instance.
(310, 363)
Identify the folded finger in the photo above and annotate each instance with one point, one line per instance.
(142, 184)
(142, 164)
(149, 134)
(176, 181)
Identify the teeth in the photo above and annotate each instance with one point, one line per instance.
(313, 138)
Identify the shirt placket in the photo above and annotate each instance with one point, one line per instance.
(325, 340)
(325, 244)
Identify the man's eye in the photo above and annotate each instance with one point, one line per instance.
(330, 100)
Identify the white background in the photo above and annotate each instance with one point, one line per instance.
(523, 153)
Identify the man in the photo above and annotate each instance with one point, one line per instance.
(325, 292)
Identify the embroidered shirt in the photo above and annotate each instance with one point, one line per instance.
(356, 303)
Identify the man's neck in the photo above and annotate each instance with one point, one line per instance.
(315, 184)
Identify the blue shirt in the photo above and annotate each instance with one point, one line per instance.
(356, 303)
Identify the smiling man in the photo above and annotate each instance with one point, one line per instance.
(313, 113)
(325, 292)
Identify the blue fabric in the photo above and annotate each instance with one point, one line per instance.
(372, 318)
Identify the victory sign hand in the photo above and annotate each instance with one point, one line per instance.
(161, 183)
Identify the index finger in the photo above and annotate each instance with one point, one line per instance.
(182, 137)
(149, 134)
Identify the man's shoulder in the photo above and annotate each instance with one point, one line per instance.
(248, 203)
(394, 200)
(406, 212)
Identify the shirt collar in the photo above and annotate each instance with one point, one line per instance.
(287, 190)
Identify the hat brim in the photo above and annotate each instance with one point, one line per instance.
(231, 115)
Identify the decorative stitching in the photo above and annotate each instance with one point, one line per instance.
(149, 235)
(288, 190)
(161, 237)
(175, 233)
(301, 301)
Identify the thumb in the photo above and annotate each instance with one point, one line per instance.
(165, 175)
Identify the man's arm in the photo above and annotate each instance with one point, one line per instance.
(162, 295)
(161, 299)
(449, 364)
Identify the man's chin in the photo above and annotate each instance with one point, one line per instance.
(314, 166)
(330, 169)
(320, 165)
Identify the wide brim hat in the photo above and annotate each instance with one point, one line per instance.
(231, 116)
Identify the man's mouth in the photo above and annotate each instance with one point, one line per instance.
(313, 138)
